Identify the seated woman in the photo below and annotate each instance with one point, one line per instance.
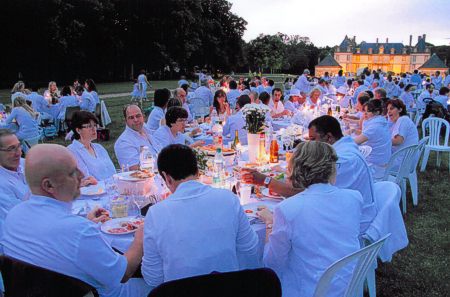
(172, 131)
(92, 158)
(18, 90)
(220, 105)
(313, 99)
(403, 130)
(52, 93)
(87, 102)
(375, 133)
(358, 118)
(407, 97)
(66, 100)
(308, 232)
(90, 87)
(25, 118)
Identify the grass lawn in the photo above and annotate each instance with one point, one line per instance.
(422, 269)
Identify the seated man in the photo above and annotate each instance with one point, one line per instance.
(292, 102)
(196, 230)
(172, 131)
(43, 232)
(180, 94)
(236, 121)
(161, 99)
(278, 110)
(352, 170)
(204, 93)
(13, 186)
(233, 94)
(128, 145)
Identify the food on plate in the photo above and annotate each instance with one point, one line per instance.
(126, 226)
(142, 174)
(212, 149)
(117, 230)
(274, 194)
(248, 211)
(102, 212)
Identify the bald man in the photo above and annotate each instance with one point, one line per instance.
(181, 95)
(42, 230)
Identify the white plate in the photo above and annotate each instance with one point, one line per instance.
(266, 193)
(93, 190)
(116, 223)
(251, 208)
(127, 176)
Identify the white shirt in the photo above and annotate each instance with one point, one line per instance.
(38, 102)
(205, 94)
(42, 231)
(87, 102)
(407, 129)
(425, 94)
(13, 189)
(353, 173)
(379, 139)
(64, 102)
(164, 137)
(408, 99)
(99, 166)
(128, 146)
(233, 123)
(289, 105)
(155, 118)
(311, 232)
(186, 107)
(197, 230)
(232, 97)
(277, 108)
(302, 84)
(442, 99)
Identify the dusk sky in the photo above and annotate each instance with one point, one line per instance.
(326, 22)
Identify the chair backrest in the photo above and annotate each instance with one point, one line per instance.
(364, 257)
(434, 126)
(261, 282)
(418, 153)
(24, 279)
(98, 113)
(400, 163)
(70, 110)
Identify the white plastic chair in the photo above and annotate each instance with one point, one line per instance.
(399, 168)
(365, 257)
(434, 126)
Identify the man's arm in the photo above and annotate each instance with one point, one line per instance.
(134, 254)
(252, 176)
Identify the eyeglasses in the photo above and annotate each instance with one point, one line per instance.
(13, 148)
(90, 126)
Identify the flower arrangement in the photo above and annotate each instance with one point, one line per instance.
(202, 159)
(254, 116)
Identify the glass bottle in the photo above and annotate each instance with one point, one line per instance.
(236, 141)
(274, 151)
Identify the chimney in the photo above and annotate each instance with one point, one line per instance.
(354, 38)
(410, 40)
(423, 36)
(377, 39)
(318, 60)
(418, 38)
(387, 40)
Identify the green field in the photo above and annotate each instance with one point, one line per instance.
(422, 269)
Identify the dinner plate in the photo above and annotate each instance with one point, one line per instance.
(117, 224)
(92, 190)
(251, 208)
(212, 153)
(266, 193)
(127, 176)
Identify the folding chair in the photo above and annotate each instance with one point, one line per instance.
(435, 126)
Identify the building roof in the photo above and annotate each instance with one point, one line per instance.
(346, 43)
(365, 46)
(328, 61)
(421, 45)
(434, 62)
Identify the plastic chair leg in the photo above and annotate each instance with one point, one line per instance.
(426, 154)
(403, 188)
(412, 178)
(438, 160)
(371, 282)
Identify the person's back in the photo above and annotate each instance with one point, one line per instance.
(379, 139)
(28, 125)
(64, 102)
(205, 94)
(233, 123)
(87, 102)
(319, 234)
(38, 102)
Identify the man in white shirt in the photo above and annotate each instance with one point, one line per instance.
(43, 231)
(128, 145)
(303, 84)
(204, 93)
(160, 101)
(196, 230)
(437, 80)
(278, 110)
(181, 95)
(291, 103)
(236, 122)
(13, 186)
(429, 92)
(233, 94)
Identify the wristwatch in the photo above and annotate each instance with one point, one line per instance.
(269, 226)
(267, 181)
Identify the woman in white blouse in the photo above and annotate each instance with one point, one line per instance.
(403, 130)
(311, 230)
(220, 104)
(375, 133)
(92, 158)
(314, 97)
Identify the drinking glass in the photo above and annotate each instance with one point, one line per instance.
(119, 207)
(245, 192)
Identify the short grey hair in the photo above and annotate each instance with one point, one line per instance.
(381, 92)
(313, 162)
(4, 133)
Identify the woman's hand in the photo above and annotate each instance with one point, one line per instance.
(252, 176)
(265, 215)
(195, 132)
(98, 215)
(90, 180)
(198, 143)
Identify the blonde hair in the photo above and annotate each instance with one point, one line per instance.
(313, 162)
(18, 87)
(22, 102)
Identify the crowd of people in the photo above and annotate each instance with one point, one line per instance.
(198, 228)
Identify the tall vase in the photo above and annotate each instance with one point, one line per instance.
(253, 147)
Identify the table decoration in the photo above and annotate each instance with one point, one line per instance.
(254, 116)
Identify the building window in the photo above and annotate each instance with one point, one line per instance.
(348, 58)
(403, 58)
(414, 59)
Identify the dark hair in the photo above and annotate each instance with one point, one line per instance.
(66, 91)
(364, 98)
(277, 90)
(217, 94)
(429, 85)
(375, 106)
(271, 82)
(264, 97)
(178, 161)
(91, 85)
(370, 93)
(408, 86)
(444, 91)
(416, 71)
(243, 100)
(79, 119)
(233, 85)
(360, 82)
(161, 97)
(79, 90)
(174, 102)
(340, 72)
(397, 103)
(185, 87)
(174, 113)
(327, 124)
